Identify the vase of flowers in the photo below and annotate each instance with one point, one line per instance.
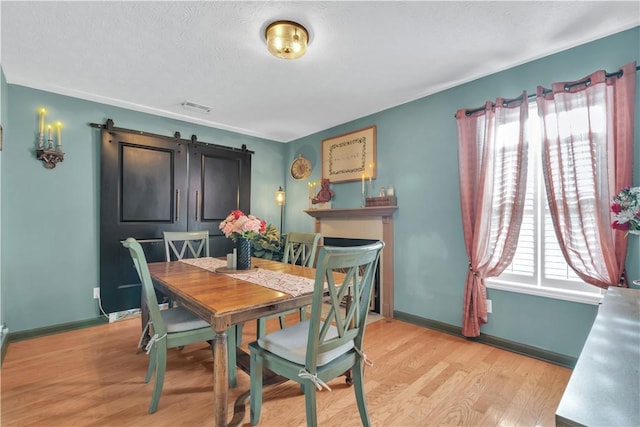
(626, 210)
(242, 229)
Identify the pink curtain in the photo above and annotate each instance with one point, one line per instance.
(492, 162)
(587, 159)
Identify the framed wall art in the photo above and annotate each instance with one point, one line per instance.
(350, 156)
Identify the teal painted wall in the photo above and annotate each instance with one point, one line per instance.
(417, 154)
(3, 122)
(50, 222)
(49, 270)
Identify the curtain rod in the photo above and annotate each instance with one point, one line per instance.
(545, 91)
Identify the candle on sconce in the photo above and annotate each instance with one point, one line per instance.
(59, 128)
(49, 135)
(370, 172)
(41, 135)
(363, 184)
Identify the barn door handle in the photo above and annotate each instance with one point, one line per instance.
(197, 204)
(177, 204)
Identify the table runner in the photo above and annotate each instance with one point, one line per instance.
(282, 282)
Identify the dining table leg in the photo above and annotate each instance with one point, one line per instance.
(220, 376)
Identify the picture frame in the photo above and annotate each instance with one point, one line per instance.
(350, 156)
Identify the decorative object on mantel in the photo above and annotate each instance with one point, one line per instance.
(323, 199)
(46, 152)
(350, 157)
(311, 191)
(382, 201)
(242, 229)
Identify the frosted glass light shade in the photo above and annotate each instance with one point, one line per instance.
(287, 39)
(280, 197)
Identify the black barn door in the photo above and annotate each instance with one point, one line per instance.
(151, 184)
(219, 182)
(143, 193)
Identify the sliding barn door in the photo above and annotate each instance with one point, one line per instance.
(143, 193)
(151, 184)
(219, 182)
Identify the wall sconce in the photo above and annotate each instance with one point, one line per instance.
(46, 152)
(280, 200)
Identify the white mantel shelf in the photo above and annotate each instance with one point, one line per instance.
(351, 212)
(370, 222)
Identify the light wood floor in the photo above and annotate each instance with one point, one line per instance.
(94, 377)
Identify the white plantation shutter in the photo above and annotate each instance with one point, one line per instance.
(522, 264)
(538, 262)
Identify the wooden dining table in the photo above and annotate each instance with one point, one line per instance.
(224, 300)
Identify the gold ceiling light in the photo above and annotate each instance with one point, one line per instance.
(287, 39)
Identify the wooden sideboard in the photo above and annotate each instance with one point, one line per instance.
(604, 388)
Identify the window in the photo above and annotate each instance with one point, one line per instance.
(538, 266)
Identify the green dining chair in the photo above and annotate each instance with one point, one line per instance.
(172, 327)
(318, 350)
(195, 244)
(176, 244)
(299, 248)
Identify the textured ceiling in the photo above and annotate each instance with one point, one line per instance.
(364, 57)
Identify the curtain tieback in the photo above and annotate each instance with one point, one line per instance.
(475, 273)
(303, 373)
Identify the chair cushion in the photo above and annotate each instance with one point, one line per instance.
(291, 343)
(179, 319)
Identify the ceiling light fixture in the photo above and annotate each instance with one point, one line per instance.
(287, 39)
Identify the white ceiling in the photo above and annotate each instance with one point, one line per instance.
(364, 57)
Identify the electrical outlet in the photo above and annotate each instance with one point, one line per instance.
(96, 293)
(489, 306)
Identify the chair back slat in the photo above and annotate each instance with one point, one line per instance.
(140, 262)
(300, 248)
(176, 244)
(356, 268)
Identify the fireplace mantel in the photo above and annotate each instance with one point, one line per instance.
(382, 211)
(373, 222)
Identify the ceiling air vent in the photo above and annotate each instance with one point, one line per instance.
(196, 107)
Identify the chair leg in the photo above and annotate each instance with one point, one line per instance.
(262, 327)
(161, 366)
(152, 364)
(303, 314)
(255, 388)
(239, 327)
(309, 390)
(358, 383)
(232, 345)
(282, 322)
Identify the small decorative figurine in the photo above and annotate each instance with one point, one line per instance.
(325, 194)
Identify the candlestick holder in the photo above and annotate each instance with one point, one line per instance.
(50, 156)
